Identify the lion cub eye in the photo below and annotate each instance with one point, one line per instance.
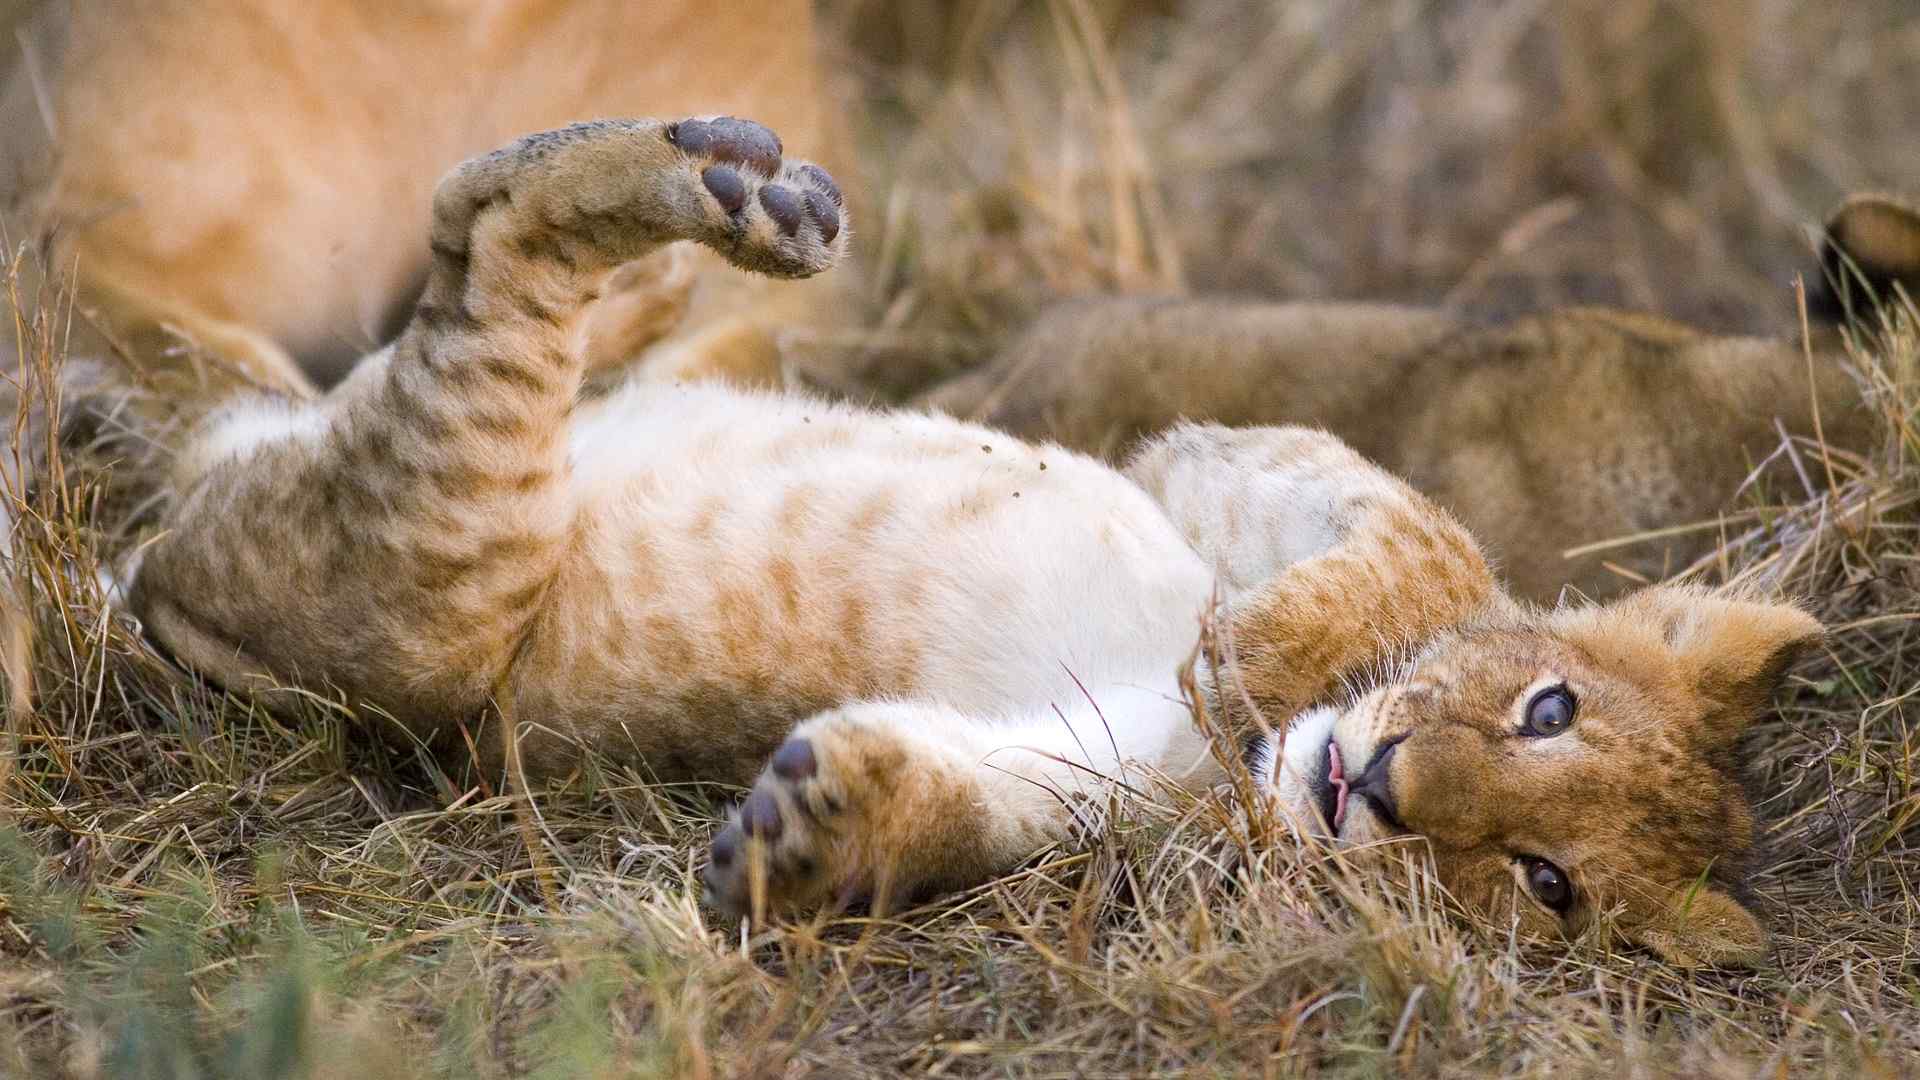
(1549, 713)
(1548, 883)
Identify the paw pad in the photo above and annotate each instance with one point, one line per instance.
(822, 180)
(783, 206)
(795, 760)
(726, 186)
(726, 848)
(761, 816)
(787, 824)
(826, 214)
(766, 215)
(729, 139)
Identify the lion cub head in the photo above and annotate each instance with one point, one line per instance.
(1568, 764)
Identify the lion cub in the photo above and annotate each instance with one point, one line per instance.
(1544, 434)
(933, 635)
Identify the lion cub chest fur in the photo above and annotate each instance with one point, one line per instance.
(746, 560)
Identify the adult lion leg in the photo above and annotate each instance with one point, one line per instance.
(396, 539)
(148, 328)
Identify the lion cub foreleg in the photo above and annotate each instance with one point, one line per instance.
(1329, 563)
(890, 801)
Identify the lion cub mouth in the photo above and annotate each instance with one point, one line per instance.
(1332, 790)
(1305, 765)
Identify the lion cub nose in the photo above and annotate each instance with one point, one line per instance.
(1374, 783)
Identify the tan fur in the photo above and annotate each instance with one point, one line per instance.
(946, 637)
(251, 176)
(1544, 434)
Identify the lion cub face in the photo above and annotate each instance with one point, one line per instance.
(1565, 764)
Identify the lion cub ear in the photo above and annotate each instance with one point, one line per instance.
(1705, 927)
(1871, 244)
(1733, 652)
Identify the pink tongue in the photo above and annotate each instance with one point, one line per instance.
(1338, 778)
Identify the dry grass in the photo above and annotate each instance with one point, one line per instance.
(1502, 155)
(199, 885)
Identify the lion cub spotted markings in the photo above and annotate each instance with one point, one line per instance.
(934, 636)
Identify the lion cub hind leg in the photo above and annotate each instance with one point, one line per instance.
(610, 191)
(398, 540)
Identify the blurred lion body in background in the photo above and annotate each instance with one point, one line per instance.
(251, 176)
(1544, 433)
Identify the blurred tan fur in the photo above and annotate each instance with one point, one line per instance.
(251, 177)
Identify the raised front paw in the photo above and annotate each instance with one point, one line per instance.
(841, 813)
(786, 218)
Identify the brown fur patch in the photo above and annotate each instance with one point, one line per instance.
(1498, 424)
